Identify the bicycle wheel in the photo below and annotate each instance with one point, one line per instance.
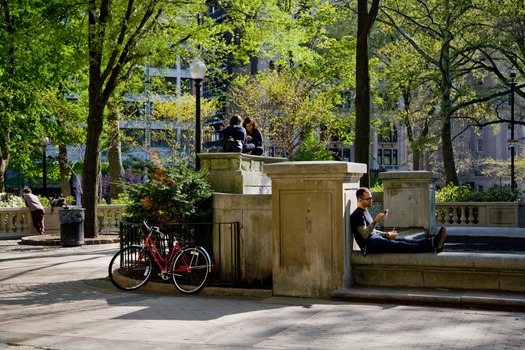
(130, 268)
(190, 270)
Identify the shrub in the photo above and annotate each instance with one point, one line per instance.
(465, 193)
(312, 149)
(11, 201)
(502, 193)
(173, 194)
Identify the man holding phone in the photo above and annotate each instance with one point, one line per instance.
(372, 241)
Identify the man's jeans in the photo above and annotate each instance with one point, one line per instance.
(376, 244)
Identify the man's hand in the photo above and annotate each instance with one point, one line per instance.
(381, 216)
(391, 235)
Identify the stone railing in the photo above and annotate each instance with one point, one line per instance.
(18, 220)
(15, 220)
(109, 216)
(481, 214)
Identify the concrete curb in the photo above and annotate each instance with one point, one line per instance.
(168, 288)
(54, 240)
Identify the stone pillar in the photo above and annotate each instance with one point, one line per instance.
(410, 197)
(311, 207)
(237, 172)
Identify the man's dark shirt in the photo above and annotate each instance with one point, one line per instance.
(358, 218)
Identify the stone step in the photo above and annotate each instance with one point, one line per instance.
(450, 270)
(433, 297)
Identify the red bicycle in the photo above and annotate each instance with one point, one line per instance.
(132, 266)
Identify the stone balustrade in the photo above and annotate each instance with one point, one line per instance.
(18, 220)
(110, 216)
(481, 214)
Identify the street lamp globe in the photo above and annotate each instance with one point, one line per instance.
(44, 141)
(197, 69)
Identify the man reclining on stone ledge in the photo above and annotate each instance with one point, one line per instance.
(372, 241)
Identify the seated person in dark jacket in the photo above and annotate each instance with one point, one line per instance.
(253, 138)
(234, 136)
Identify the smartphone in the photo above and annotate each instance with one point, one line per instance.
(386, 211)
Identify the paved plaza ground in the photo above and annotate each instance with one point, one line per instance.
(59, 298)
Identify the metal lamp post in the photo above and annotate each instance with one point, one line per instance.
(512, 141)
(198, 72)
(44, 142)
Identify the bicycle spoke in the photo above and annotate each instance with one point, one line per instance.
(130, 268)
(190, 270)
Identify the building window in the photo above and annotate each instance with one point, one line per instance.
(480, 145)
(387, 157)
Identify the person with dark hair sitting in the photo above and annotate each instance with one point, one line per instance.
(253, 138)
(234, 137)
(372, 241)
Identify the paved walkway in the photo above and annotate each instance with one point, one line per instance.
(58, 298)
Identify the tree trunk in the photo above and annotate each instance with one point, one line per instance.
(95, 119)
(449, 163)
(116, 170)
(64, 173)
(91, 164)
(365, 21)
(4, 161)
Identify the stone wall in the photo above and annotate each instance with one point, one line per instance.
(254, 214)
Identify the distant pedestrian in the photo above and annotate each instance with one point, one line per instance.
(36, 209)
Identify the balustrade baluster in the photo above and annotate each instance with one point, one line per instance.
(462, 220)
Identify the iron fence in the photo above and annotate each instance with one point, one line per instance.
(220, 239)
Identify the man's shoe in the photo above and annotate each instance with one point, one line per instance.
(439, 240)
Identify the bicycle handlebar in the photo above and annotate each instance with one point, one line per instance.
(152, 228)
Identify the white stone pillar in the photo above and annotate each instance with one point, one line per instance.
(311, 207)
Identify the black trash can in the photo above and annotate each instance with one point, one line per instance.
(71, 226)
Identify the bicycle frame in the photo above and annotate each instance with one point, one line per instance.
(159, 259)
(163, 263)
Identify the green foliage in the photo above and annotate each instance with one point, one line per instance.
(10, 201)
(123, 198)
(13, 201)
(377, 187)
(284, 104)
(312, 149)
(465, 193)
(172, 195)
